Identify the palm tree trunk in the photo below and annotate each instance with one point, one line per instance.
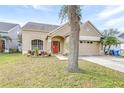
(108, 49)
(74, 39)
(105, 49)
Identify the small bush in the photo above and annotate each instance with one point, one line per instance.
(36, 52)
(30, 52)
(13, 50)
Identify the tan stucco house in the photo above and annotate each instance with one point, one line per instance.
(55, 39)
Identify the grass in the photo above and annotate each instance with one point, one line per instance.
(21, 71)
(119, 56)
(9, 57)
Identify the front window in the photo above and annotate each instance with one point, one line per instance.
(37, 44)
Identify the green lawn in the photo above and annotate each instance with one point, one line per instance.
(21, 71)
(119, 56)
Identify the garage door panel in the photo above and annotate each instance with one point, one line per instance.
(89, 48)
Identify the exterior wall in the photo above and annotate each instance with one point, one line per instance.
(88, 30)
(101, 49)
(49, 41)
(28, 36)
(66, 45)
(13, 34)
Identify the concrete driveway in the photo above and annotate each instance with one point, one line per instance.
(107, 61)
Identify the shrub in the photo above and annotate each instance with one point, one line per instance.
(36, 51)
(44, 53)
(13, 50)
(29, 51)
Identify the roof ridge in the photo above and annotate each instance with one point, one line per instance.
(39, 26)
(9, 23)
(42, 23)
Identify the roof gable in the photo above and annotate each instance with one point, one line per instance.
(5, 27)
(89, 29)
(32, 26)
(64, 30)
(60, 31)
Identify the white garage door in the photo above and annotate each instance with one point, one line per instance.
(88, 48)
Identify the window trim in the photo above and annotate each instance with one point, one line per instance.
(37, 44)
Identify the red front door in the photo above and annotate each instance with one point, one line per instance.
(55, 47)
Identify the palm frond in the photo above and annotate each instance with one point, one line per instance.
(63, 15)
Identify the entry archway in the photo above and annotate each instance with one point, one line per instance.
(57, 44)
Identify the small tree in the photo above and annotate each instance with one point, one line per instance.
(109, 39)
(110, 32)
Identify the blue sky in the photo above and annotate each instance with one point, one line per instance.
(103, 17)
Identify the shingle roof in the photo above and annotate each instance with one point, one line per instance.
(39, 27)
(5, 27)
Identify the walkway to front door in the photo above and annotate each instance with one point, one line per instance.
(55, 47)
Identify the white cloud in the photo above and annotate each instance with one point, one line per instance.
(115, 22)
(45, 8)
(110, 11)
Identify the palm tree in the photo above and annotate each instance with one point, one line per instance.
(73, 13)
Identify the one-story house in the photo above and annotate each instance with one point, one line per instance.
(9, 36)
(55, 39)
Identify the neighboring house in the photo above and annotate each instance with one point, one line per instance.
(9, 30)
(55, 39)
(121, 38)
